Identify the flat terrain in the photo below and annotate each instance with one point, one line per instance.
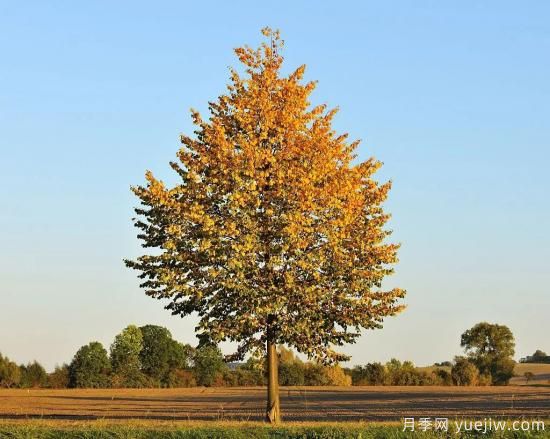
(541, 372)
(299, 404)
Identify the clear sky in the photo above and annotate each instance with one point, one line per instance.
(454, 98)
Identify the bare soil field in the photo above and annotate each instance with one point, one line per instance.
(299, 404)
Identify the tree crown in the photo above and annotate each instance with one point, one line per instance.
(272, 224)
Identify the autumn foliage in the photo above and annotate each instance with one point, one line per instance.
(274, 233)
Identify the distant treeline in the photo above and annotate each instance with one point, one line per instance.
(538, 357)
(148, 356)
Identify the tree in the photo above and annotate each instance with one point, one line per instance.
(253, 372)
(126, 348)
(314, 375)
(444, 364)
(539, 357)
(528, 376)
(336, 376)
(371, 374)
(59, 378)
(90, 367)
(161, 354)
(248, 377)
(181, 378)
(125, 358)
(443, 377)
(33, 375)
(291, 374)
(491, 348)
(208, 364)
(274, 235)
(291, 368)
(464, 372)
(10, 374)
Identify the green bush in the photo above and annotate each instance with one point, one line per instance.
(464, 372)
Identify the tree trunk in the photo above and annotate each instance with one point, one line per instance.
(273, 412)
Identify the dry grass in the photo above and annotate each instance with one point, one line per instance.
(540, 371)
(329, 404)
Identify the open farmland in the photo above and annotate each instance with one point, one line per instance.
(541, 373)
(299, 404)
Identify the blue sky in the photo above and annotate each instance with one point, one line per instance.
(452, 96)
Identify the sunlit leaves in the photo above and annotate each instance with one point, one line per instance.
(272, 217)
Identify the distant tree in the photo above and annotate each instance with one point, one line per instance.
(274, 234)
(491, 348)
(161, 354)
(539, 357)
(10, 373)
(502, 371)
(444, 364)
(126, 348)
(286, 355)
(252, 372)
(249, 377)
(181, 378)
(155, 355)
(314, 375)
(292, 374)
(59, 378)
(443, 377)
(404, 374)
(464, 372)
(336, 376)
(90, 367)
(291, 368)
(371, 374)
(208, 364)
(528, 376)
(410, 375)
(485, 379)
(125, 359)
(182, 356)
(33, 375)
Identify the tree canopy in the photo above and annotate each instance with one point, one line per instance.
(161, 354)
(271, 220)
(491, 348)
(126, 348)
(274, 234)
(90, 367)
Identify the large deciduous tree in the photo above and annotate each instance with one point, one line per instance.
(491, 348)
(274, 234)
(161, 354)
(90, 367)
